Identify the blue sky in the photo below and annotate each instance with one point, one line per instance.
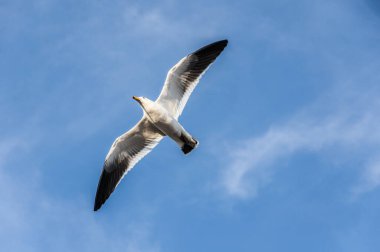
(287, 120)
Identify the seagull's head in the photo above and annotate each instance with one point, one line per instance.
(142, 100)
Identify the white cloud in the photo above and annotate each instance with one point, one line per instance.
(344, 119)
(370, 179)
(253, 160)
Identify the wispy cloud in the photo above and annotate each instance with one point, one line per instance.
(370, 179)
(344, 119)
(253, 160)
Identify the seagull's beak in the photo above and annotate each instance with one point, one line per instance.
(136, 98)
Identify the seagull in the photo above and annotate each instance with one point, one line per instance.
(160, 119)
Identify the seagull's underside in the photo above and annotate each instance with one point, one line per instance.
(160, 119)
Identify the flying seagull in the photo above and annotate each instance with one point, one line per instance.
(160, 119)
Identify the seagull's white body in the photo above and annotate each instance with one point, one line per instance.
(165, 122)
(160, 119)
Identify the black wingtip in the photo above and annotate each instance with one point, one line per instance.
(105, 188)
(108, 182)
(216, 46)
(97, 207)
(98, 204)
(101, 197)
(222, 42)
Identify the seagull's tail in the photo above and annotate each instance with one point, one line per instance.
(189, 143)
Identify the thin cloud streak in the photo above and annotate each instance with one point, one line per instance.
(370, 179)
(344, 118)
(347, 129)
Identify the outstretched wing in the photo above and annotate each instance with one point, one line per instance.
(125, 152)
(185, 75)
